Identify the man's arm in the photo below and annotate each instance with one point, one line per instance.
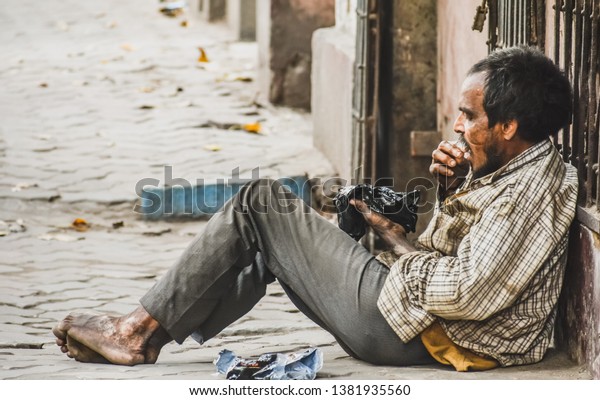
(494, 263)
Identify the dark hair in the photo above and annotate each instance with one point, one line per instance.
(522, 84)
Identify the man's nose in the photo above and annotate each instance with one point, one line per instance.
(459, 126)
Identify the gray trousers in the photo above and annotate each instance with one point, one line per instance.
(266, 233)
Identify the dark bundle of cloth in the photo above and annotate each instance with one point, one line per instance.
(400, 207)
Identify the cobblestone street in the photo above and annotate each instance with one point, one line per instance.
(97, 96)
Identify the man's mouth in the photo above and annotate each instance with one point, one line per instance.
(462, 143)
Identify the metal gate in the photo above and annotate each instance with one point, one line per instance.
(576, 50)
(514, 22)
(575, 35)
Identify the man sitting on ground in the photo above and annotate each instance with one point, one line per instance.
(478, 290)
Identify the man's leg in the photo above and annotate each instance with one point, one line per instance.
(331, 277)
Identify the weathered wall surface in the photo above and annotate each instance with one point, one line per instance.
(332, 80)
(333, 55)
(459, 48)
(578, 324)
(285, 46)
(414, 92)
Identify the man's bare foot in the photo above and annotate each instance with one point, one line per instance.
(82, 353)
(128, 340)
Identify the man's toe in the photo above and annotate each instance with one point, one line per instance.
(59, 333)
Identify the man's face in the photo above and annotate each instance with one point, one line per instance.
(483, 143)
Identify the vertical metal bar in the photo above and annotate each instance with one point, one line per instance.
(373, 90)
(530, 23)
(493, 26)
(511, 25)
(557, 17)
(503, 32)
(584, 132)
(500, 23)
(385, 92)
(540, 27)
(517, 22)
(569, 156)
(557, 7)
(524, 21)
(505, 17)
(594, 109)
(577, 158)
(595, 56)
(358, 112)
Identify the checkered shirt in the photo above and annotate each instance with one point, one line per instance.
(490, 265)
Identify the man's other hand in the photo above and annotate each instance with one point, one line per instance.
(378, 222)
(449, 165)
(393, 234)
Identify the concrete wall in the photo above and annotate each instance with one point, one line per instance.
(332, 79)
(332, 82)
(285, 47)
(459, 48)
(578, 325)
(263, 38)
(241, 18)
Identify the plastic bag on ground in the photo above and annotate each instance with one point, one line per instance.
(302, 365)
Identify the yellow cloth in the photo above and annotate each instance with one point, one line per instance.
(443, 350)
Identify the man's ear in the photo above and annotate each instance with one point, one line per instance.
(509, 129)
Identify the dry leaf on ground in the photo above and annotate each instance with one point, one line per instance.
(252, 128)
(80, 225)
(203, 58)
(156, 232)
(234, 78)
(172, 9)
(118, 224)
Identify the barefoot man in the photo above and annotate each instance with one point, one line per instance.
(478, 289)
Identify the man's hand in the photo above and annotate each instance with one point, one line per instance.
(449, 165)
(393, 234)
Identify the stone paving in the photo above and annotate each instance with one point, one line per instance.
(96, 96)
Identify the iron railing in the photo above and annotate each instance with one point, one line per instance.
(576, 38)
(514, 22)
(576, 50)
